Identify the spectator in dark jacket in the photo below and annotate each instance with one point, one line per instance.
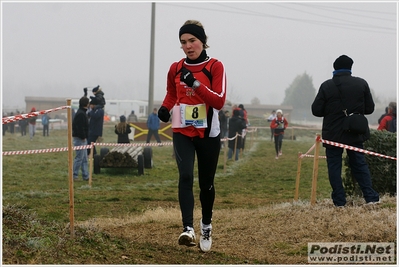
(327, 104)
(122, 129)
(22, 125)
(383, 115)
(80, 132)
(32, 125)
(96, 123)
(236, 125)
(153, 126)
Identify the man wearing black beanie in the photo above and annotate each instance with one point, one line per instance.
(343, 63)
(354, 93)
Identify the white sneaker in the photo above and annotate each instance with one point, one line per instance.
(373, 203)
(206, 237)
(187, 238)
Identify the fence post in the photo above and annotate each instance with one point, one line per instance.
(298, 175)
(226, 144)
(235, 147)
(315, 170)
(91, 159)
(70, 170)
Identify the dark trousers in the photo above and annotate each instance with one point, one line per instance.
(23, 130)
(92, 138)
(155, 133)
(278, 142)
(359, 169)
(45, 130)
(207, 151)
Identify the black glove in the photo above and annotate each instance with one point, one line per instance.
(85, 91)
(163, 114)
(187, 77)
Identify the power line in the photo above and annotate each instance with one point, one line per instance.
(341, 12)
(242, 11)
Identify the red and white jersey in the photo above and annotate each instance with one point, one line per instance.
(208, 98)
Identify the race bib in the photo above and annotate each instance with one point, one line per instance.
(189, 115)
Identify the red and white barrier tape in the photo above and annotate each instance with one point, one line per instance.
(353, 148)
(19, 117)
(311, 156)
(134, 144)
(46, 150)
(62, 149)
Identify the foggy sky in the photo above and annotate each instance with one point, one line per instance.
(56, 49)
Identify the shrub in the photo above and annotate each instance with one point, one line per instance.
(382, 170)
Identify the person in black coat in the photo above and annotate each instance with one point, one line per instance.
(357, 97)
(122, 129)
(96, 123)
(80, 133)
(236, 125)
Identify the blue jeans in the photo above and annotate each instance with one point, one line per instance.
(359, 169)
(80, 161)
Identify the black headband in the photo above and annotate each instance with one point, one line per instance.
(195, 30)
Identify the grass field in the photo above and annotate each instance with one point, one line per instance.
(124, 218)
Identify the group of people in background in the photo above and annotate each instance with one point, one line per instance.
(234, 126)
(87, 127)
(30, 123)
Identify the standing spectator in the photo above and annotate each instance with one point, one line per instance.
(390, 117)
(45, 123)
(122, 129)
(223, 124)
(22, 125)
(4, 126)
(73, 113)
(269, 119)
(11, 125)
(244, 115)
(32, 125)
(96, 123)
(196, 90)
(153, 126)
(98, 94)
(279, 124)
(327, 104)
(80, 132)
(132, 117)
(383, 115)
(236, 126)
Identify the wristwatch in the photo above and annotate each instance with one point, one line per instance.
(196, 84)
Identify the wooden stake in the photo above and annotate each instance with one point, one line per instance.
(315, 170)
(298, 176)
(226, 144)
(235, 147)
(91, 159)
(70, 170)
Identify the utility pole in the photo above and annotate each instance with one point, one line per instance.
(151, 83)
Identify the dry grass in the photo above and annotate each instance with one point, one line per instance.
(275, 234)
(129, 219)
